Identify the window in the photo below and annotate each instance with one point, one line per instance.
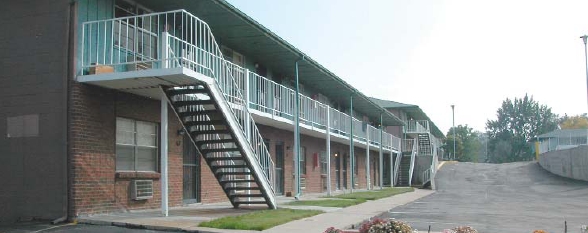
(302, 160)
(135, 36)
(324, 160)
(136, 145)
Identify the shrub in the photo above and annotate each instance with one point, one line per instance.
(539, 231)
(332, 230)
(378, 225)
(464, 229)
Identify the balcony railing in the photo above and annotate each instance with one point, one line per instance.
(417, 126)
(277, 100)
(138, 43)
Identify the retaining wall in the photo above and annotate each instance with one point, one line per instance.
(570, 163)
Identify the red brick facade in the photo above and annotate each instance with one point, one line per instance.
(98, 188)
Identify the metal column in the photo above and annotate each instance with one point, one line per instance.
(297, 135)
(163, 147)
(381, 154)
(328, 151)
(367, 156)
(351, 149)
(391, 166)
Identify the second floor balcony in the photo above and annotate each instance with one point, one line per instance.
(135, 54)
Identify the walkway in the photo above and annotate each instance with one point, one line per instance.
(188, 218)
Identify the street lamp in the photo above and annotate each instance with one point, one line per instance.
(453, 113)
(585, 38)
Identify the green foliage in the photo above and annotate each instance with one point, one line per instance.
(574, 122)
(517, 123)
(375, 194)
(467, 143)
(328, 202)
(260, 220)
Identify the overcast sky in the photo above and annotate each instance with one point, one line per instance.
(434, 53)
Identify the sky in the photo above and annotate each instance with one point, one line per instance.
(435, 53)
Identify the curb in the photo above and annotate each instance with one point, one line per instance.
(136, 226)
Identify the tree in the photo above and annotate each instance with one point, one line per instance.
(517, 123)
(466, 143)
(574, 122)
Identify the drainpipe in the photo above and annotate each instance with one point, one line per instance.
(297, 135)
(69, 54)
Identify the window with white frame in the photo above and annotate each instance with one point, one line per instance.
(135, 36)
(136, 145)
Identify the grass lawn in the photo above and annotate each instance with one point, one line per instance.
(375, 194)
(328, 202)
(260, 220)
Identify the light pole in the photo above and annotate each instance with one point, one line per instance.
(585, 38)
(453, 113)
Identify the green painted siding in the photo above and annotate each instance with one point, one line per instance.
(89, 10)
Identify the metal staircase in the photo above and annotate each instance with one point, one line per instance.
(214, 112)
(403, 175)
(217, 136)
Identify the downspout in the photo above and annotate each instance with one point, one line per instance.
(69, 44)
(297, 134)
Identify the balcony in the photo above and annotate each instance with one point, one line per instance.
(138, 54)
(417, 127)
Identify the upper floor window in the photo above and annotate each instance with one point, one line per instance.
(136, 145)
(136, 36)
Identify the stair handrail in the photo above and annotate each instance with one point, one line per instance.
(397, 168)
(217, 67)
(412, 160)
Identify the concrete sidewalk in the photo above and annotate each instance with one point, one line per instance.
(187, 218)
(345, 217)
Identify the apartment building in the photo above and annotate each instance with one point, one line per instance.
(118, 105)
(422, 142)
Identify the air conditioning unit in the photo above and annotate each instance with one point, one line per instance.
(141, 189)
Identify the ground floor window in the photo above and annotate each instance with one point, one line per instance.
(324, 160)
(136, 145)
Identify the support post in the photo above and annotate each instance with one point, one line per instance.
(163, 146)
(351, 147)
(367, 156)
(381, 153)
(297, 135)
(164, 50)
(247, 125)
(391, 165)
(328, 151)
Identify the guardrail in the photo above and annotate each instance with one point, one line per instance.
(563, 142)
(137, 43)
(417, 126)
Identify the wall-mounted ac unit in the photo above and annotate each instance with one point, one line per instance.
(141, 189)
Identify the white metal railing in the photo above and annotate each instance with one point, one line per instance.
(417, 126)
(277, 100)
(134, 43)
(397, 168)
(168, 40)
(563, 142)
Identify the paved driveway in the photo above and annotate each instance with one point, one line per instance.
(494, 198)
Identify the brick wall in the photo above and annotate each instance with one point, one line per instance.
(96, 186)
(314, 179)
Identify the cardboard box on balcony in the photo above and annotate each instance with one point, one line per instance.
(101, 69)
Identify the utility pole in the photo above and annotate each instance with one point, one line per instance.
(454, 139)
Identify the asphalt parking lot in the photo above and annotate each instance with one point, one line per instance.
(513, 197)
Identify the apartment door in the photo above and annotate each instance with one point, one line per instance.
(191, 180)
(337, 171)
(344, 170)
(279, 168)
(386, 170)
